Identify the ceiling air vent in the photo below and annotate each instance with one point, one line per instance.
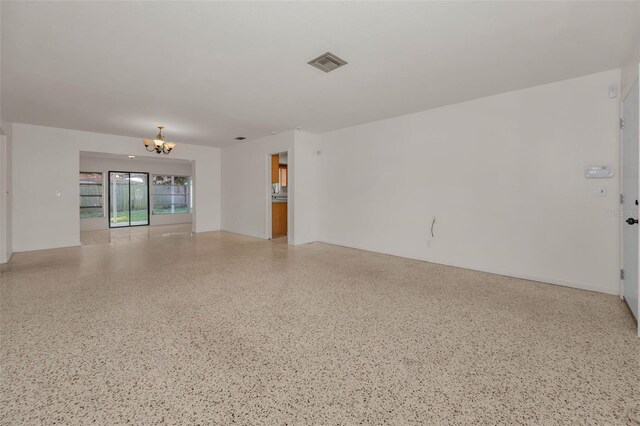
(327, 62)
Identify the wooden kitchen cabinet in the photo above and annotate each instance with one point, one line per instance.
(278, 219)
(275, 166)
(283, 175)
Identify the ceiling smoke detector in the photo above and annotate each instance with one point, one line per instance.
(327, 62)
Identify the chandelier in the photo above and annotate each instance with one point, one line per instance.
(158, 144)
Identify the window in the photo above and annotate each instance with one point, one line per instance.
(91, 195)
(171, 194)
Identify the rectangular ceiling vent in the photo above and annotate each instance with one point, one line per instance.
(327, 62)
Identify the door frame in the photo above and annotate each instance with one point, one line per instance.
(5, 250)
(290, 187)
(109, 196)
(621, 194)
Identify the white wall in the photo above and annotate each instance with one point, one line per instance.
(45, 161)
(502, 174)
(246, 181)
(306, 187)
(5, 183)
(158, 167)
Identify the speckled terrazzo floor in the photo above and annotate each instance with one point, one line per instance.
(223, 329)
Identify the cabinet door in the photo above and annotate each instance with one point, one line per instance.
(275, 164)
(278, 219)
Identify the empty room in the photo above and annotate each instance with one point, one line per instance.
(319, 213)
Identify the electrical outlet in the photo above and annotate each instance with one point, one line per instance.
(428, 243)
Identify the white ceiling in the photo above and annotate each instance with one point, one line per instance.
(213, 71)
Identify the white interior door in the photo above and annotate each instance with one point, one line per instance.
(630, 157)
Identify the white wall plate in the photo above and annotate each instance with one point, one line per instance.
(598, 172)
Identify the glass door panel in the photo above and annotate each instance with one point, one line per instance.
(118, 199)
(139, 198)
(128, 199)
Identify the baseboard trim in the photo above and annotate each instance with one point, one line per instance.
(195, 232)
(528, 277)
(39, 248)
(245, 234)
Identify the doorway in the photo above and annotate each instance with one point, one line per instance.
(128, 199)
(630, 157)
(279, 195)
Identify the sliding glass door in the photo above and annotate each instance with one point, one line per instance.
(128, 199)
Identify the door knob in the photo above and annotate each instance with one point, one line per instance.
(632, 221)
